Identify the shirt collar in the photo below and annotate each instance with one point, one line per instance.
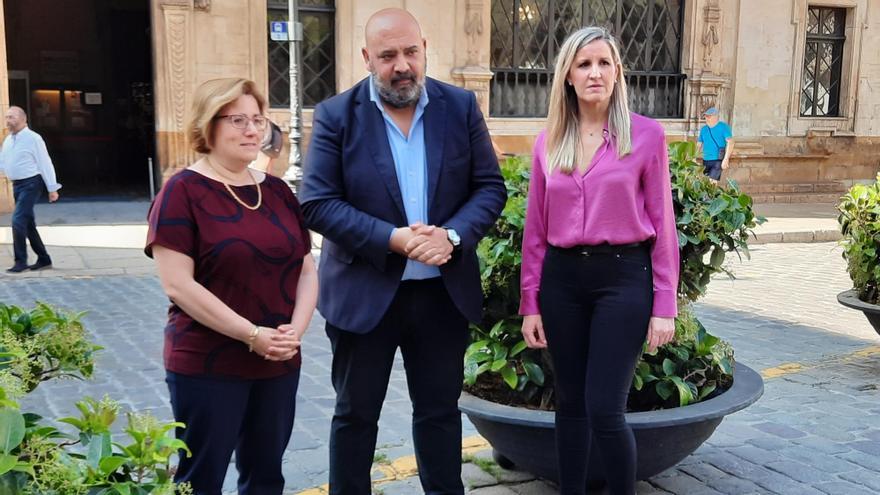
(374, 97)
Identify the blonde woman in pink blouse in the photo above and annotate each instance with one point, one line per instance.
(600, 255)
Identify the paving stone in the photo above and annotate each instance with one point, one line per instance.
(843, 488)
(780, 430)
(408, 486)
(491, 490)
(818, 460)
(474, 477)
(871, 447)
(869, 479)
(684, 484)
(536, 487)
(798, 471)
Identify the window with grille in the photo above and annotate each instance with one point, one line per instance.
(823, 61)
(318, 64)
(526, 34)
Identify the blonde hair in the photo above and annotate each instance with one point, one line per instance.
(209, 98)
(563, 139)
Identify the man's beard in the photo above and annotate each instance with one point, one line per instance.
(402, 97)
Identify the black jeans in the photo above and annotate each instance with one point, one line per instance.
(595, 309)
(26, 192)
(712, 168)
(253, 418)
(432, 336)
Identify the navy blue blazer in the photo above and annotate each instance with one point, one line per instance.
(350, 195)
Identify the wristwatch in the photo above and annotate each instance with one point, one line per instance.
(454, 238)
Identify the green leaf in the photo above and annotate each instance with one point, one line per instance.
(717, 206)
(535, 373)
(717, 257)
(498, 364)
(109, 465)
(11, 429)
(519, 347)
(668, 367)
(509, 375)
(706, 390)
(685, 396)
(637, 382)
(7, 463)
(470, 373)
(664, 389)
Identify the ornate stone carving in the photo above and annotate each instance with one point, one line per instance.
(710, 38)
(175, 46)
(204, 5)
(473, 29)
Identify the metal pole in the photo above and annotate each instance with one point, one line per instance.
(152, 180)
(293, 176)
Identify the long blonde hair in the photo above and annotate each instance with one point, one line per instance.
(563, 139)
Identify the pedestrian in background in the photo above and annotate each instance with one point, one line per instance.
(716, 140)
(233, 255)
(26, 162)
(600, 255)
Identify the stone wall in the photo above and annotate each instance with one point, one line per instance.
(197, 40)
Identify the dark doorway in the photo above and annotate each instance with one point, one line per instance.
(83, 71)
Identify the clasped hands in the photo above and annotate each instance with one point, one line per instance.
(278, 344)
(424, 243)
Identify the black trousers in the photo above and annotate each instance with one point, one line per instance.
(253, 418)
(595, 309)
(26, 192)
(432, 335)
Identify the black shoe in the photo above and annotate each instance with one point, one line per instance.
(17, 269)
(40, 265)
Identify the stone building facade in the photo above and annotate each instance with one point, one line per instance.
(798, 80)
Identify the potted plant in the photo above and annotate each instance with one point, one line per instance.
(509, 388)
(860, 225)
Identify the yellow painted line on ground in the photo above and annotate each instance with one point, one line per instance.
(404, 467)
(782, 369)
(790, 368)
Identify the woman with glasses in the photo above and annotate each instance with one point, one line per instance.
(600, 255)
(233, 255)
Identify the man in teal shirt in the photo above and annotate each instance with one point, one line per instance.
(717, 142)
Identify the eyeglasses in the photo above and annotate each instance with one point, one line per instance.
(240, 121)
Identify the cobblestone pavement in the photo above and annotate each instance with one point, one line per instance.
(126, 315)
(816, 430)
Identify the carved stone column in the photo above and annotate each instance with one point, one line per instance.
(6, 203)
(172, 30)
(709, 82)
(473, 70)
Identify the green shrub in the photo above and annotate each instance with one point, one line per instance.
(712, 220)
(860, 225)
(38, 458)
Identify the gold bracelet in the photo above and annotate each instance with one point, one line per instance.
(252, 338)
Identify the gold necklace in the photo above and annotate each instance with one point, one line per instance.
(232, 193)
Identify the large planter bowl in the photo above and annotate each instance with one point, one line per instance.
(850, 299)
(525, 437)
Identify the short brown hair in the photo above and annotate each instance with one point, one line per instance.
(208, 99)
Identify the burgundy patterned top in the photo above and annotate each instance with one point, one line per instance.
(250, 260)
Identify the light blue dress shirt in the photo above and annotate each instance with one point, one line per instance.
(24, 155)
(411, 165)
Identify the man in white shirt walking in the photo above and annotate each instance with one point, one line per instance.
(27, 164)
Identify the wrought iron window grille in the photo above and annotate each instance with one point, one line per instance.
(823, 62)
(526, 35)
(318, 69)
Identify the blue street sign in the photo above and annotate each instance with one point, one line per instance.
(278, 31)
